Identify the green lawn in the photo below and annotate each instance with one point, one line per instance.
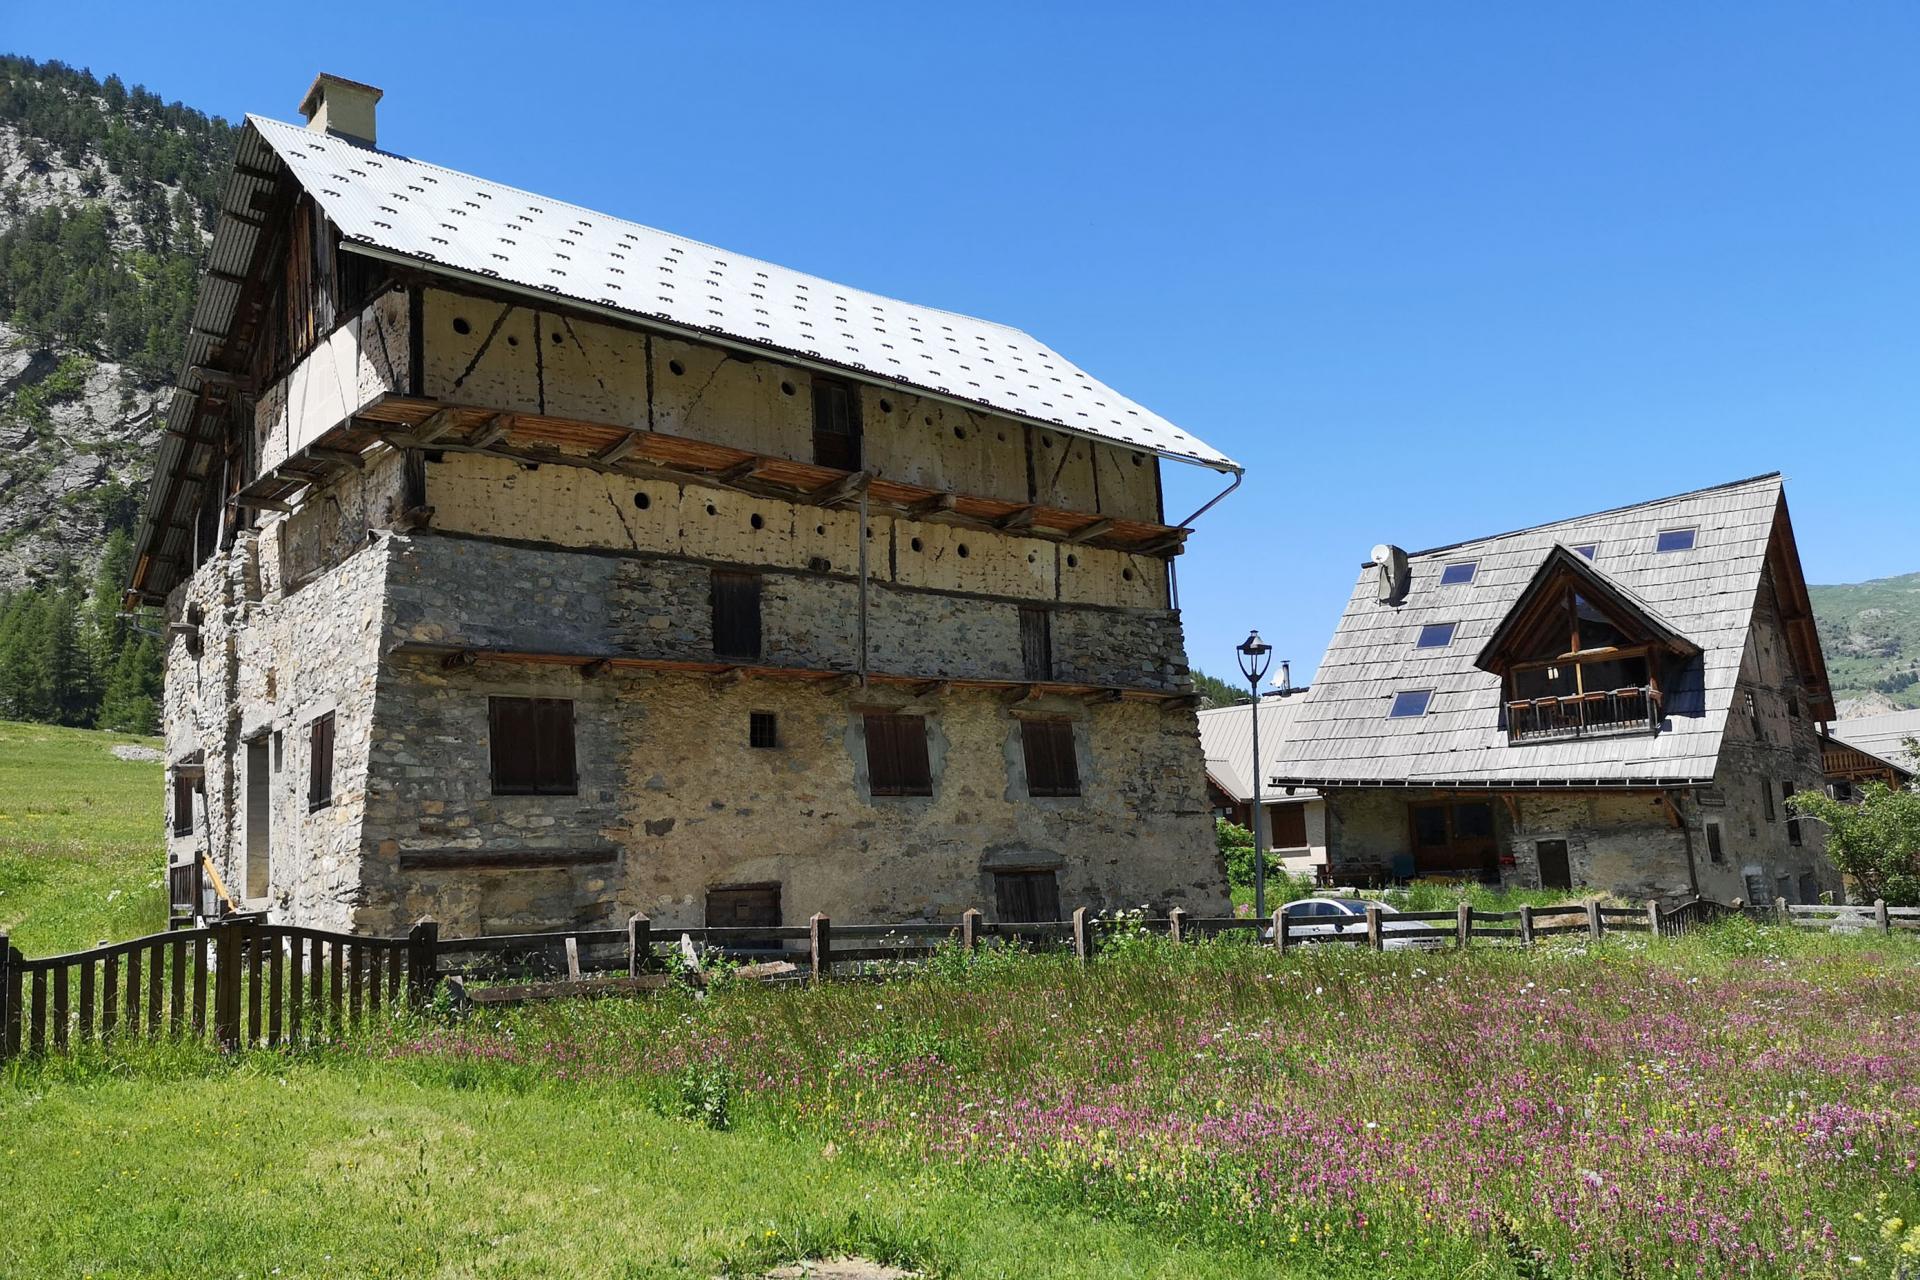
(81, 855)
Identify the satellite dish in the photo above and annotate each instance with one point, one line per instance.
(1395, 573)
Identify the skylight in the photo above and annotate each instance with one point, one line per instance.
(1586, 549)
(1674, 540)
(1459, 573)
(1435, 635)
(1409, 703)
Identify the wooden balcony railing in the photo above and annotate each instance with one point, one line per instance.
(1635, 709)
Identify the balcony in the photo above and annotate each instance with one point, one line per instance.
(1601, 713)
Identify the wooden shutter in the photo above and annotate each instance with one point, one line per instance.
(553, 746)
(530, 745)
(1036, 643)
(1023, 897)
(1052, 769)
(836, 425)
(320, 762)
(183, 804)
(749, 906)
(897, 755)
(736, 614)
(1287, 826)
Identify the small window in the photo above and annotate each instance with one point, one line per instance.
(1409, 703)
(736, 614)
(763, 730)
(184, 785)
(743, 906)
(1793, 822)
(897, 755)
(1459, 573)
(1674, 540)
(1793, 707)
(1809, 888)
(1435, 635)
(1026, 896)
(1766, 797)
(836, 425)
(530, 741)
(1288, 823)
(1715, 853)
(320, 763)
(1052, 769)
(1587, 549)
(1556, 869)
(1036, 643)
(1753, 714)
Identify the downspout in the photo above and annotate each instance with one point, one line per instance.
(1686, 836)
(1173, 578)
(861, 537)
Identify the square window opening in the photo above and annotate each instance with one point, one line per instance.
(530, 745)
(1675, 540)
(1436, 635)
(743, 906)
(736, 614)
(897, 755)
(1459, 573)
(836, 425)
(1409, 704)
(763, 730)
(1052, 768)
(1026, 897)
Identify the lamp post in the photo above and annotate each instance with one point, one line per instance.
(1255, 654)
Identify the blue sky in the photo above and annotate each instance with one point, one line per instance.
(1428, 271)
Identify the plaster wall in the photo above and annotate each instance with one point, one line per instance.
(360, 361)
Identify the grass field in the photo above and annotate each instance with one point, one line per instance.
(81, 857)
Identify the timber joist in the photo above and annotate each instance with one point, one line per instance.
(722, 673)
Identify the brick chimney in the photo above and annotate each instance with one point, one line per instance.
(341, 107)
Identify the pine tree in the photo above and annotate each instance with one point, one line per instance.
(131, 703)
(71, 675)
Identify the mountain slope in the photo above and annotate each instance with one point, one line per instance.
(1871, 634)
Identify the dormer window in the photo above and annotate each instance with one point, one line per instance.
(1580, 657)
(1459, 573)
(1409, 703)
(1674, 540)
(1435, 635)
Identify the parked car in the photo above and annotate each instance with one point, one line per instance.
(1308, 917)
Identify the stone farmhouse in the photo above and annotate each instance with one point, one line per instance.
(527, 567)
(1621, 700)
(1292, 821)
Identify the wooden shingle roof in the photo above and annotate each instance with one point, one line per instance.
(1340, 733)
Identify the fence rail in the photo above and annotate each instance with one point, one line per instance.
(243, 982)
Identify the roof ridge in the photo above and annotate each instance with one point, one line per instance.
(1595, 515)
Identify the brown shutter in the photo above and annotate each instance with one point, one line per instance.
(736, 614)
(1052, 769)
(320, 762)
(1288, 826)
(1036, 643)
(897, 755)
(182, 804)
(510, 743)
(553, 728)
(1023, 897)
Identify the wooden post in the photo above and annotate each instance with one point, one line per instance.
(1595, 925)
(9, 1020)
(572, 944)
(969, 929)
(639, 943)
(226, 987)
(1880, 918)
(423, 963)
(1082, 935)
(1653, 918)
(1780, 913)
(1177, 926)
(1526, 925)
(1281, 941)
(820, 944)
(1374, 938)
(1463, 925)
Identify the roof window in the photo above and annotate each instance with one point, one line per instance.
(1409, 703)
(1435, 635)
(1674, 540)
(1587, 549)
(1458, 573)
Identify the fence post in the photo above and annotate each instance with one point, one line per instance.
(1374, 940)
(1177, 926)
(423, 962)
(820, 945)
(1463, 925)
(1780, 913)
(1595, 925)
(1280, 939)
(1082, 935)
(1526, 925)
(639, 943)
(226, 987)
(969, 929)
(9, 1011)
(1653, 917)
(1880, 918)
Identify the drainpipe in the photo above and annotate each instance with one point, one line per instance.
(1686, 835)
(861, 537)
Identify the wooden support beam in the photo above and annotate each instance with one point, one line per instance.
(838, 491)
(459, 660)
(492, 433)
(1021, 519)
(211, 376)
(1088, 533)
(595, 669)
(414, 518)
(340, 457)
(929, 506)
(731, 676)
(738, 471)
(618, 449)
(436, 426)
(1103, 695)
(264, 504)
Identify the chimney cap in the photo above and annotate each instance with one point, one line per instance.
(311, 103)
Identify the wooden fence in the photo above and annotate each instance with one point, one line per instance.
(246, 983)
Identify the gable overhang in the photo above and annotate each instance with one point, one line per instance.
(1622, 607)
(1796, 614)
(1494, 785)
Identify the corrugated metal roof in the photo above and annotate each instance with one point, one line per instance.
(461, 223)
(1341, 731)
(1226, 738)
(1884, 734)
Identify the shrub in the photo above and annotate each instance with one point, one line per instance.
(1876, 841)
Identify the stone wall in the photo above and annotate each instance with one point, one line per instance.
(672, 800)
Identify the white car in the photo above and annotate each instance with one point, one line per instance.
(1308, 917)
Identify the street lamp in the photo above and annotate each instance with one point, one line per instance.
(1255, 654)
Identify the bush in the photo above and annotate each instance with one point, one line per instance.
(1876, 841)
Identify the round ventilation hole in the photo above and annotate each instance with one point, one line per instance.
(642, 501)
(928, 419)
(758, 523)
(959, 433)
(886, 406)
(557, 339)
(915, 544)
(962, 550)
(1127, 574)
(712, 510)
(820, 529)
(675, 368)
(1073, 562)
(460, 326)
(1032, 557)
(512, 341)
(786, 388)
